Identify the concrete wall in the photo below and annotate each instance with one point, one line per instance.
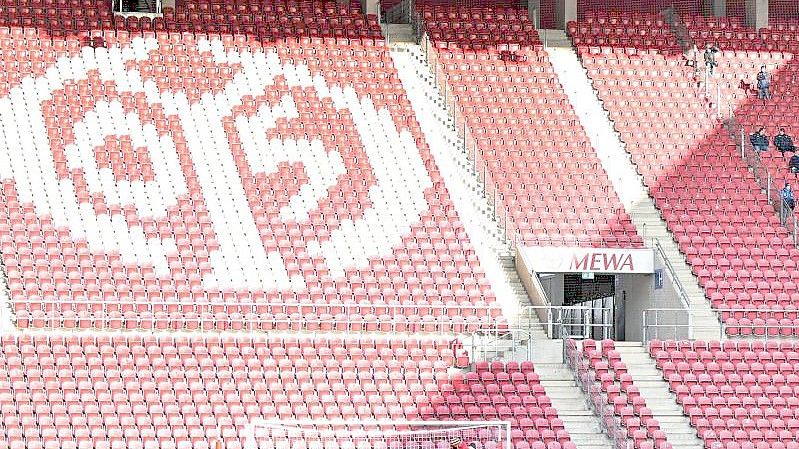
(636, 293)
(757, 13)
(535, 290)
(369, 6)
(553, 286)
(534, 12)
(717, 8)
(565, 12)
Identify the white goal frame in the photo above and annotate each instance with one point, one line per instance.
(249, 437)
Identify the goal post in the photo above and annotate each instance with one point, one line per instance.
(375, 434)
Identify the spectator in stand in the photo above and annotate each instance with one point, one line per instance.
(784, 143)
(763, 84)
(793, 164)
(787, 196)
(759, 140)
(710, 58)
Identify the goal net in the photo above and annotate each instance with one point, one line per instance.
(393, 434)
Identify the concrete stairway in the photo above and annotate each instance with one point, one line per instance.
(628, 183)
(558, 381)
(554, 38)
(463, 185)
(398, 33)
(655, 391)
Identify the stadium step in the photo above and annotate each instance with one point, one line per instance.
(632, 191)
(554, 38)
(398, 33)
(655, 391)
(585, 429)
(465, 188)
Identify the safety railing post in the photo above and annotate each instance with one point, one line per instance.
(485, 179)
(768, 186)
(644, 327)
(495, 201)
(743, 143)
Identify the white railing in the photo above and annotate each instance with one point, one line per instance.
(490, 187)
(678, 324)
(496, 344)
(681, 293)
(255, 316)
(577, 321)
(666, 324)
(5, 296)
(767, 184)
(595, 399)
(154, 6)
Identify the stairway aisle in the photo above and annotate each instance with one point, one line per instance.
(463, 185)
(567, 398)
(628, 183)
(655, 391)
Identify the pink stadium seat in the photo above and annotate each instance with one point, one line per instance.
(120, 391)
(172, 272)
(599, 364)
(523, 135)
(725, 226)
(739, 394)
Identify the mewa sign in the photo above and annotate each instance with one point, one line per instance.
(555, 259)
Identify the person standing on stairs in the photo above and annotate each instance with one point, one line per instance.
(763, 84)
(710, 58)
(788, 202)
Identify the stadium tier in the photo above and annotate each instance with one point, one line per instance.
(737, 394)
(602, 366)
(745, 50)
(723, 221)
(217, 180)
(528, 139)
(182, 392)
(226, 216)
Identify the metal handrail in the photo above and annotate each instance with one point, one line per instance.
(221, 306)
(673, 274)
(202, 316)
(595, 398)
(461, 128)
(766, 182)
(495, 344)
(650, 320)
(247, 323)
(559, 323)
(5, 307)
